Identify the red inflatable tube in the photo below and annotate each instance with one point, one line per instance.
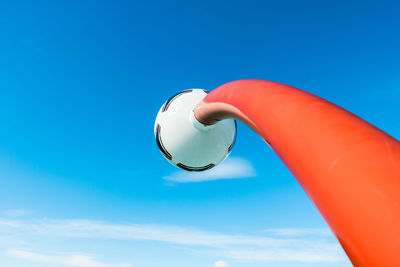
(348, 167)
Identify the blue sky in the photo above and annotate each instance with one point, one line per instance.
(82, 182)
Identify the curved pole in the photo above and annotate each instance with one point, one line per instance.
(349, 168)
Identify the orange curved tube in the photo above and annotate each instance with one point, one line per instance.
(349, 168)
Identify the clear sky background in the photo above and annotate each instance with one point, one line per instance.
(82, 182)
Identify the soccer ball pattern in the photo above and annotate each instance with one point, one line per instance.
(182, 143)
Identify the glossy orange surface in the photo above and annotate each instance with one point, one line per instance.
(348, 167)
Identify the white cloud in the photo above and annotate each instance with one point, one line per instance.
(221, 264)
(17, 213)
(299, 231)
(231, 168)
(325, 253)
(241, 247)
(75, 260)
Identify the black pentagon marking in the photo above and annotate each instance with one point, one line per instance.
(172, 98)
(206, 91)
(195, 169)
(160, 144)
(234, 138)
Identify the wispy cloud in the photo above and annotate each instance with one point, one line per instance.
(221, 264)
(326, 253)
(242, 247)
(75, 260)
(231, 168)
(291, 232)
(17, 212)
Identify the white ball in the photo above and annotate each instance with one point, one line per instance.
(187, 143)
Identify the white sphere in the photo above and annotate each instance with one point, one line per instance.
(187, 143)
